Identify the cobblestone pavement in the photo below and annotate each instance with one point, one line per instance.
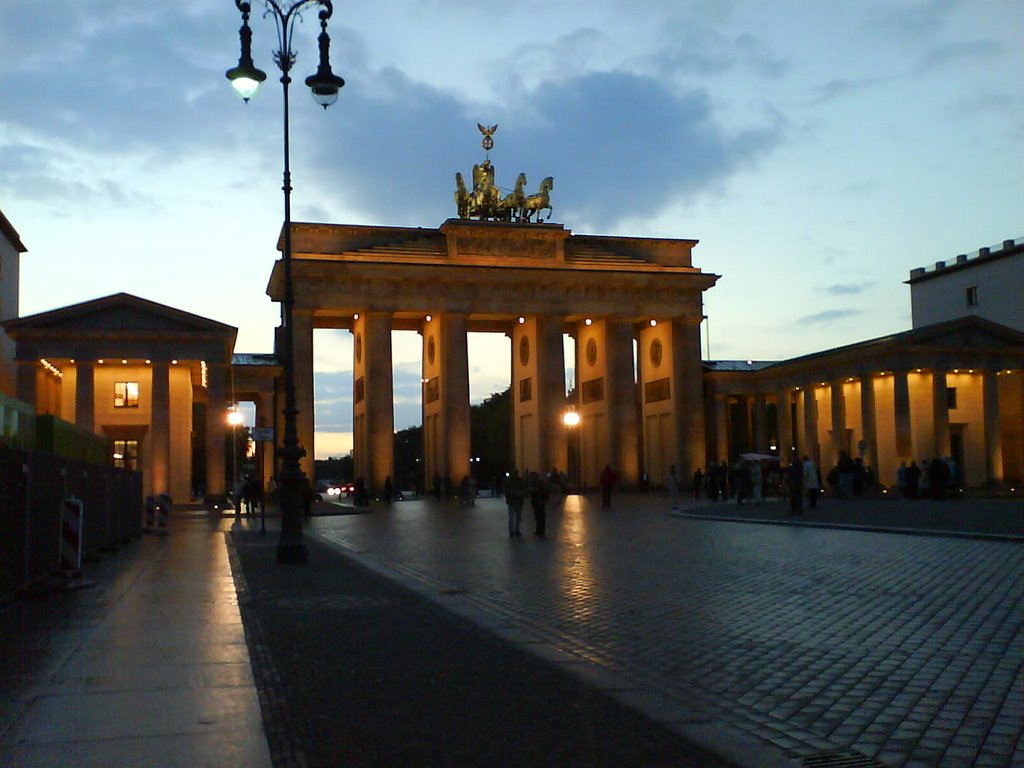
(905, 649)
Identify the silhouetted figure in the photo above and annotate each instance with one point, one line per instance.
(514, 494)
(811, 482)
(538, 501)
(607, 480)
(389, 491)
(672, 485)
(913, 478)
(698, 481)
(437, 486)
(795, 485)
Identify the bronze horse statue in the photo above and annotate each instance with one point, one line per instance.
(541, 201)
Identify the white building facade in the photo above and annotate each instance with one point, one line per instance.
(988, 283)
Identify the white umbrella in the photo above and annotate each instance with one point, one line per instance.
(759, 457)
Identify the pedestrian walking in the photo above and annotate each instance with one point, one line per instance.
(811, 482)
(538, 490)
(713, 483)
(389, 491)
(698, 480)
(672, 484)
(607, 480)
(514, 493)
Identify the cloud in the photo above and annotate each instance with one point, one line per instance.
(840, 87)
(912, 20)
(617, 144)
(958, 52)
(828, 316)
(696, 47)
(847, 289)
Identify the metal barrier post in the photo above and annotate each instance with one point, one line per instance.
(150, 525)
(69, 546)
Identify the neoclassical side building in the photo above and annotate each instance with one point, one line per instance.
(132, 369)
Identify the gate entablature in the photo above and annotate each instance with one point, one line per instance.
(488, 270)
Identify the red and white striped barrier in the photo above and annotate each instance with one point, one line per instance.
(71, 531)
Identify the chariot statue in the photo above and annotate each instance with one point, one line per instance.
(485, 200)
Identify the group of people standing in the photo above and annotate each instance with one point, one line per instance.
(935, 478)
(537, 489)
(802, 476)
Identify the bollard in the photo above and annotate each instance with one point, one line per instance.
(150, 525)
(163, 507)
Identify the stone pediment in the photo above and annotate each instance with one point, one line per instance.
(964, 333)
(122, 314)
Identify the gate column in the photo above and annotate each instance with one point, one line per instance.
(445, 398)
(373, 399)
(622, 435)
(538, 394)
(302, 361)
(688, 397)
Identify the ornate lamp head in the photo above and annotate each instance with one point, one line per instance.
(324, 85)
(245, 78)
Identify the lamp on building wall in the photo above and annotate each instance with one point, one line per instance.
(324, 86)
(571, 419)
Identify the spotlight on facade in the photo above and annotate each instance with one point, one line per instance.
(355, 316)
(588, 321)
(653, 323)
(522, 319)
(571, 419)
(429, 318)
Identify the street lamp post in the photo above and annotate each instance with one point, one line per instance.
(324, 85)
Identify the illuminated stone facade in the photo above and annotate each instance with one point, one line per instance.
(132, 369)
(534, 283)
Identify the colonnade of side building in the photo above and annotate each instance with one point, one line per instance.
(930, 407)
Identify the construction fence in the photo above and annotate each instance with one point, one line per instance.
(33, 488)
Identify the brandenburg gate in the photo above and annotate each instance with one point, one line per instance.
(500, 268)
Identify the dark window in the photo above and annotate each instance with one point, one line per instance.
(126, 454)
(126, 394)
(972, 296)
(951, 397)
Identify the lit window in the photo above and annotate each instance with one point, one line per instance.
(972, 296)
(126, 394)
(126, 454)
